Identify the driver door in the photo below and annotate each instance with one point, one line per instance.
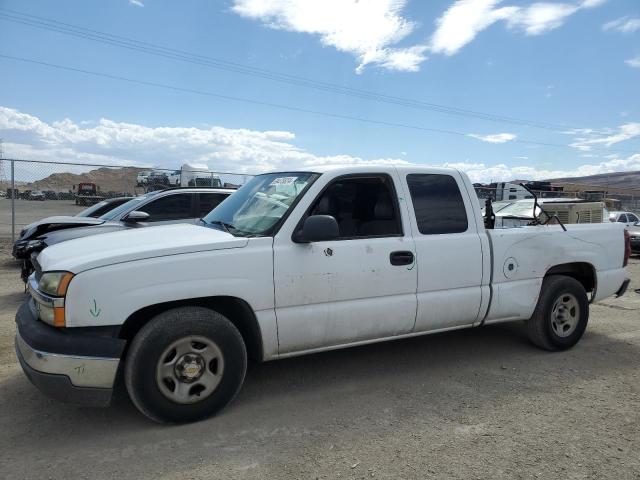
(347, 290)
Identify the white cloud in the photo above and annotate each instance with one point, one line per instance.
(374, 30)
(222, 149)
(463, 20)
(494, 138)
(370, 30)
(137, 3)
(591, 138)
(623, 25)
(633, 62)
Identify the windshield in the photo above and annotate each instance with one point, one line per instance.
(127, 206)
(257, 207)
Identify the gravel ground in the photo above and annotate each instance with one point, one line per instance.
(469, 404)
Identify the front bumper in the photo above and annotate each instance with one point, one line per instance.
(635, 244)
(74, 365)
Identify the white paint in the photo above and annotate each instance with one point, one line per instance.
(307, 300)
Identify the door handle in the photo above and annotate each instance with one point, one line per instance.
(401, 258)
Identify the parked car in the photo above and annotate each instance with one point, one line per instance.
(174, 178)
(295, 263)
(86, 217)
(142, 177)
(152, 209)
(36, 195)
(634, 237)
(628, 218)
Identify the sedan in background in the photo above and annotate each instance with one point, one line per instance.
(628, 218)
(178, 205)
(50, 224)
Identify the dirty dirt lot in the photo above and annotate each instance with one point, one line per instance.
(470, 404)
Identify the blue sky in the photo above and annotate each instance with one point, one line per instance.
(571, 65)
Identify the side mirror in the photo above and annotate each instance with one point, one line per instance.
(136, 216)
(317, 228)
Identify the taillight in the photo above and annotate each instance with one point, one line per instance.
(627, 248)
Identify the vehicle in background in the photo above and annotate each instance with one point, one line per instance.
(296, 263)
(569, 210)
(198, 176)
(174, 178)
(86, 217)
(142, 177)
(102, 207)
(158, 179)
(50, 194)
(87, 193)
(2, 194)
(497, 206)
(13, 192)
(179, 205)
(36, 195)
(628, 218)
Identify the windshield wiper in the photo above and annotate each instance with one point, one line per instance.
(226, 226)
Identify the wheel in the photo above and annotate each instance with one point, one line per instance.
(561, 315)
(185, 365)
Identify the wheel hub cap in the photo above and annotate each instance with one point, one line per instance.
(189, 369)
(565, 315)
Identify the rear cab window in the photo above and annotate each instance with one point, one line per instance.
(437, 203)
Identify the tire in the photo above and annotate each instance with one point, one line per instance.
(153, 372)
(561, 315)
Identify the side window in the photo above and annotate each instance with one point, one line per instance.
(209, 201)
(622, 218)
(362, 206)
(632, 218)
(437, 203)
(171, 207)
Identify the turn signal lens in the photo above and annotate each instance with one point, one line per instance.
(58, 317)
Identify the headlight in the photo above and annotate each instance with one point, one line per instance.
(55, 283)
(35, 245)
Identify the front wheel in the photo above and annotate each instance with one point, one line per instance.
(561, 316)
(185, 365)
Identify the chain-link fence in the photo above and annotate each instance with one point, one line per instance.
(31, 190)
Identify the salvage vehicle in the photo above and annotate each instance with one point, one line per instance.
(295, 263)
(59, 222)
(37, 195)
(157, 208)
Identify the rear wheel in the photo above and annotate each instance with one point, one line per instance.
(185, 364)
(561, 316)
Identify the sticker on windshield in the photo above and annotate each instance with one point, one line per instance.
(283, 181)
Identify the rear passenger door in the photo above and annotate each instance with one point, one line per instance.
(448, 251)
(171, 208)
(207, 201)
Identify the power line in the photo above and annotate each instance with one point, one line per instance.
(181, 55)
(274, 105)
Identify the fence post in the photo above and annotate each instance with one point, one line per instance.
(13, 202)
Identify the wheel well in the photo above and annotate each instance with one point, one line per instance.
(235, 309)
(581, 271)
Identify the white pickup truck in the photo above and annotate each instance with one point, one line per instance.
(294, 263)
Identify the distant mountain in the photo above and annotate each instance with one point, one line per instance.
(626, 180)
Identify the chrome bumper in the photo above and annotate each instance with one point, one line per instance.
(93, 372)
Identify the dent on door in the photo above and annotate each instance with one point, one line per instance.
(340, 292)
